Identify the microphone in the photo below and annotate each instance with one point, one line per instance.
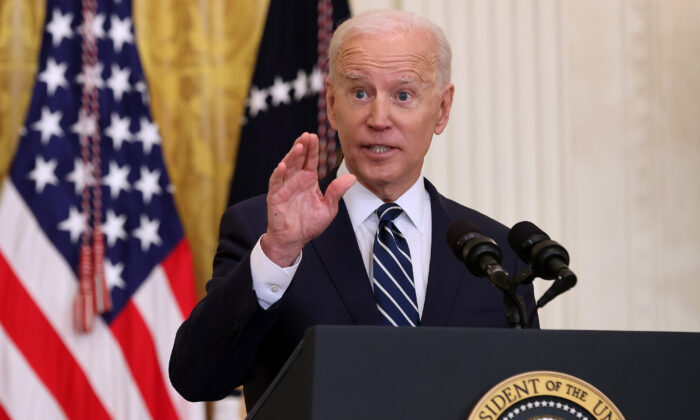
(482, 256)
(479, 253)
(548, 259)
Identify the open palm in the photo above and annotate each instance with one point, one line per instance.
(297, 211)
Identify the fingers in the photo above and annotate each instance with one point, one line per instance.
(277, 177)
(302, 156)
(311, 143)
(295, 157)
(337, 188)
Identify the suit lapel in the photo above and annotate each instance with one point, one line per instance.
(338, 251)
(337, 248)
(446, 272)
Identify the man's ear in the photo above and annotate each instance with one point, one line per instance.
(330, 102)
(445, 105)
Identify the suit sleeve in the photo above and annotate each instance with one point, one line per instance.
(215, 346)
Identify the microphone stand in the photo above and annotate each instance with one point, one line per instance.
(515, 304)
(565, 280)
(526, 277)
(514, 315)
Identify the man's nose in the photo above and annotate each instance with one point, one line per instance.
(379, 113)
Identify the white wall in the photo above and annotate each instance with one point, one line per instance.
(583, 117)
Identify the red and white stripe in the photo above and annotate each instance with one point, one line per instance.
(50, 371)
(22, 393)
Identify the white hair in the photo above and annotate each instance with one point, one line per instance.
(389, 22)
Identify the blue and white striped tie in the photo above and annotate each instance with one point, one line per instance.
(392, 271)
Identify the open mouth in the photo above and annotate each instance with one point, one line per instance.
(378, 149)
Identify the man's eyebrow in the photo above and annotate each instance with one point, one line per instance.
(408, 80)
(402, 81)
(353, 76)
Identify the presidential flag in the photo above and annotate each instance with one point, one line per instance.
(287, 94)
(95, 271)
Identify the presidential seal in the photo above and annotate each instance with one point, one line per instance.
(544, 395)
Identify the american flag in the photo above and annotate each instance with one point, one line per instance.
(73, 177)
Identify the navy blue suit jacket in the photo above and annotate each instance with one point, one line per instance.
(229, 340)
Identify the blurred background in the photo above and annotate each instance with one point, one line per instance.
(580, 116)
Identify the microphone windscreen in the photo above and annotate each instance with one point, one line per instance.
(520, 236)
(456, 231)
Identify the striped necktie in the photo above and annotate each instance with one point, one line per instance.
(392, 272)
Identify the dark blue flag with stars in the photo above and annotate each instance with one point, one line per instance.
(283, 100)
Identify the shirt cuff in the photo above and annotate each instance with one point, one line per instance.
(270, 281)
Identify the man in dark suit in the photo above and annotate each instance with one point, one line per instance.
(309, 252)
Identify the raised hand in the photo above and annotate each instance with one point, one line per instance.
(297, 211)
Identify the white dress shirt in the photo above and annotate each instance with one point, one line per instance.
(270, 281)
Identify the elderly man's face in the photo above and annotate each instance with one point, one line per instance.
(386, 105)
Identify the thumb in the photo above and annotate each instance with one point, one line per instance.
(337, 188)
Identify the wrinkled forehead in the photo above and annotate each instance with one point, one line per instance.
(407, 55)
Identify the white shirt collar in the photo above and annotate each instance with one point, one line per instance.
(362, 203)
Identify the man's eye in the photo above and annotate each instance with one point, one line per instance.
(360, 94)
(404, 96)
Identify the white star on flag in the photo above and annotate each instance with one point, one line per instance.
(147, 232)
(141, 88)
(95, 25)
(43, 173)
(148, 183)
(48, 124)
(118, 130)
(113, 274)
(257, 101)
(113, 227)
(279, 92)
(317, 80)
(85, 126)
(300, 85)
(79, 175)
(74, 224)
(120, 32)
(54, 75)
(92, 77)
(117, 179)
(148, 134)
(59, 27)
(119, 81)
